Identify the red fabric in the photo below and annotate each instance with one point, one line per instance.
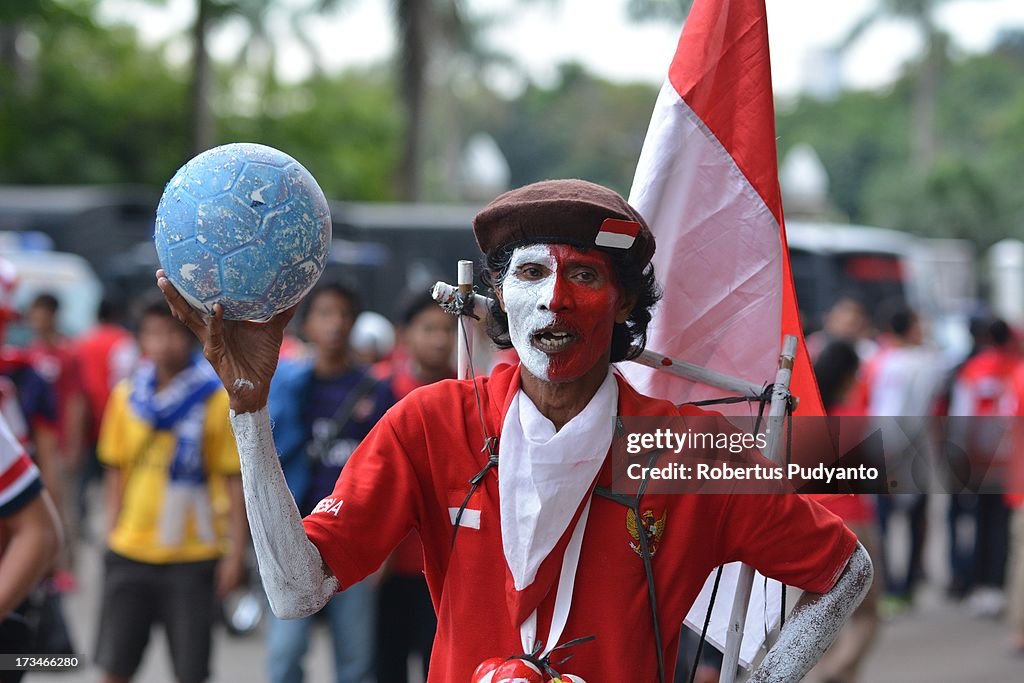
(852, 509)
(58, 364)
(407, 560)
(985, 377)
(719, 69)
(414, 467)
(859, 399)
(17, 468)
(722, 70)
(1015, 407)
(98, 369)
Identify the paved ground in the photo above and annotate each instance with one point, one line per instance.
(938, 642)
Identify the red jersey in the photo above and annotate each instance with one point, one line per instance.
(413, 470)
(407, 560)
(1013, 405)
(982, 382)
(106, 355)
(58, 365)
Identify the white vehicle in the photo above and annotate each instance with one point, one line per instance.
(68, 277)
(935, 277)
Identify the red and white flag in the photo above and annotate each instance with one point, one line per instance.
(707, 184)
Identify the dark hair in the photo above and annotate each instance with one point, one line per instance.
(414, 303)
(107, 311)
(899, 319)
(337, 289)
(47, 301)
(836, 365)
(628, 338)
(154, 306)
(999, 332)
(848, 296)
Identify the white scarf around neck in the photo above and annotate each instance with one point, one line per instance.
(544, 475)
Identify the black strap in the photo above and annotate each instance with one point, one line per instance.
(762, 402)
(491, 446)
(342, 416)
(633, 503)
(707, 624)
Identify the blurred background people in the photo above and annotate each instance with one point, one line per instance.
(899, 385)
(405, 614)
(836, 370)
(30, 539)
(53, 357)
(322, 408)
(373, 338)
(35, 398)
(175, 516)
(846, 320)
(107, 354)
(1013, 407)
(977, 427)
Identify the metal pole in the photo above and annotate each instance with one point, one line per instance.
(465, 331)
(745, 581)
(696, 373)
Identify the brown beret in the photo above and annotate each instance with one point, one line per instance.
(572, 211)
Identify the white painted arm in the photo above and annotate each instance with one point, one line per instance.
(814, 624)
(294, 575)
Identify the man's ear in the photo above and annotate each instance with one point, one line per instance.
(626, 305)
(500, 298)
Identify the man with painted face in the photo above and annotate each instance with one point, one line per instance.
(539, 560)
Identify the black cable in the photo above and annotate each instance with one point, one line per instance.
(490, 442)
(707, 624)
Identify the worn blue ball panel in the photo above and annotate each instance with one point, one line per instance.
(246, 226)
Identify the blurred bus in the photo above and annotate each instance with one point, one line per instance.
(935, 277)
(68, 277)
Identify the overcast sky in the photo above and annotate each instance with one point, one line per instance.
(545, 33)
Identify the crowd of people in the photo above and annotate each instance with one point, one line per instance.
(134, 404)
(965, 411)
(133, 409)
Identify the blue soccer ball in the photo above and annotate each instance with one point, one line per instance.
(246, 226)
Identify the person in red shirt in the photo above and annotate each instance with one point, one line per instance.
(33, 411)
(30, 539)
(978, 390)
(836, 371)
(106, 355)
(405, 616)
(54, 358)
(1013, 405)
(543, 555)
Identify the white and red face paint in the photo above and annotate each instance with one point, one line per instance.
(561, 304)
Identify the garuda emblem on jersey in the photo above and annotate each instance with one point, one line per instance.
(653, 528)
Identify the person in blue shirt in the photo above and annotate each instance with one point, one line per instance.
(321, 409)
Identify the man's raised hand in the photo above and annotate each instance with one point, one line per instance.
(244, 354)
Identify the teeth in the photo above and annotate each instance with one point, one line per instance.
(551, 342)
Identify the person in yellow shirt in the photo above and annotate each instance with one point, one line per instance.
(175, 513)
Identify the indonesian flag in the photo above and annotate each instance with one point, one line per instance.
(707, 184)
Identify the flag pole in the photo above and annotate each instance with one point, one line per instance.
(465, 331)
(745, 580)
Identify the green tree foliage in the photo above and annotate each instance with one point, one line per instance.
(658, 10)
(969, 190)
(345, 129)
(581, 127)
(94, 107)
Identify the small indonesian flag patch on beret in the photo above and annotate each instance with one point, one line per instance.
(616, 233)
